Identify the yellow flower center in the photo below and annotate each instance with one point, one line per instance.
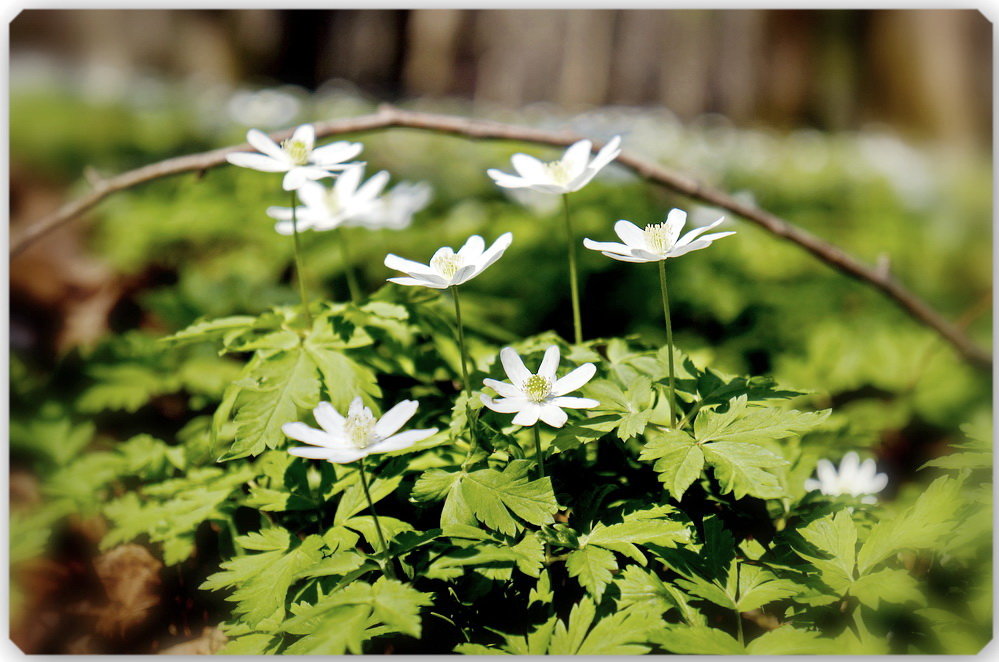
(296, 151)
(558, 172)
(446, 263)
(360, 427)
(537, 388)
(657, 238)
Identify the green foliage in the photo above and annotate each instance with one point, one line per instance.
(643, 536)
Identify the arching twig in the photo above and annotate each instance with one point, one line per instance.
(388, 117)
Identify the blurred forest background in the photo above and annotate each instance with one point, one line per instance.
(928, 72)
(871, 129)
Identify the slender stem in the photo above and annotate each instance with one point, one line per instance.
(537, 450)
(299, 271)
(573, 280)
(348, 267)
(464, 369)
(378, 527)
(669, 341)
(738, 626)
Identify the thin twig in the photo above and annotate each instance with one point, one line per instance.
(388, 117)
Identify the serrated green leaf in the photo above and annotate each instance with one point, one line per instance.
(697, 640)
(742, 468)
(787, 640)
(287, 383)
(494, 497)
(758, 587)
(678, 460)
(888, 585)
(753, 424)
(593, 567)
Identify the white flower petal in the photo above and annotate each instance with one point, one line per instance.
(528, 415)
(574, 380)
(472, 249)
(826, 472)
(395, 418)
(348, 181)
(465, 274)
(507, 180)
(335, 153)
(696, 232)
(256, 162)
(675, 220)
(552, 415)
(549, 363)
(514, 366)
(632, 257)
(811, 484)
(495, 251)
(877, 484)
(280, 213)
(305, 134)
(575, 403)
(294, 179)
(422, 282)
(328, 418)
(412, 268)
(261, 142)
(576, 158)
(607, 153)
(503, 388)
(372, 188)
(695, 245)
(336, 455)
(505, 405)
(401, 441)
(630, 234)
(530, 168)
(612, 246)
(310, 435)
(849, 465)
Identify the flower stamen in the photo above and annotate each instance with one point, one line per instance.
(537, 388)
(360, 427)
(657, 238)
(446, 263)
(296, 150)
(558, 172)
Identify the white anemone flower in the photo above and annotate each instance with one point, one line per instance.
(538, 396)
(658, 241)
(395, 209)
(360, 434)
(448, 268)
(853, 478)
(325, 208)
(298, 156)
(570, 173)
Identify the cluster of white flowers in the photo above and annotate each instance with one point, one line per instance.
(347, 202)
(531, 397)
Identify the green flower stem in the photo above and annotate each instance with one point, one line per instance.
(378, 527)
(464, 369)
(669, 342)
(348, 267)
(537, 450)
(299, 271)
(573, 280)
(738, 625)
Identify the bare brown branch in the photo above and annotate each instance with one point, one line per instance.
(388, 117)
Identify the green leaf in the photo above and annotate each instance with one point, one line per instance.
(261, 581)
(758, 586)
(678, 460)
(205, 329)
(643, 589)
(787, 640)
(494, 497)
(697, 640)
(343, 378)
(622, 633)
(741, 468)
(835, 538)
(922, 526)
(741, 423)
(286, 383)
(889, 585)
(593, 567)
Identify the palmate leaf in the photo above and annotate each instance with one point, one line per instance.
(888, 585)
(678, 460)
(593, 567)
(758, 587)
(787, 640)
(261, 580)
(496, 497)
(753, 424)
(622, 633)
(697, 640)
(726, 442)
(833, 541)
(285, 384)
(640, 587)
(388, 604)
(207, 329)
